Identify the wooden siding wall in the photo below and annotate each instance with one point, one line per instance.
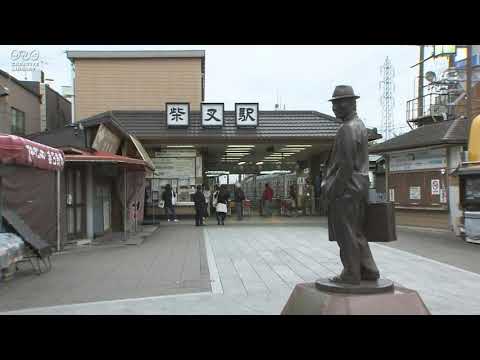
(135, 84)
(402, 182)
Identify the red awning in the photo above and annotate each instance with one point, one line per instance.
(105, 157)
(20, 151)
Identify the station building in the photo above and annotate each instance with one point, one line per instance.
(138, 91)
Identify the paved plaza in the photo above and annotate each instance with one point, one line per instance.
(253, 269)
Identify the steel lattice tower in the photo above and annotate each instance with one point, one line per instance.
(387, 100)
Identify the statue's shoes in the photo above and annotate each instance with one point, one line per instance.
(370, 277)
(342, 280)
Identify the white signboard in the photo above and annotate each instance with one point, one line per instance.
(176, 153)
(246, 115)
(419, 160)
(391, 194)
(198, 164)
(443, 196)
(415, 193)
(106, 140)
(174, 168)
(435, 187)
(178, 114)
(212, 115)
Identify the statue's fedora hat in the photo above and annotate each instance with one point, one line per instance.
(343, 92)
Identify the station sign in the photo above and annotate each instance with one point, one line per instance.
(178, 115)
(212, 115)
(246, 115)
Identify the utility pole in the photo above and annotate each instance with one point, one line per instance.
(420, 82)
(468, 105)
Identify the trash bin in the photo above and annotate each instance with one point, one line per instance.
(472, 226)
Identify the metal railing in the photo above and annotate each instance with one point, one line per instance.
(433, 104)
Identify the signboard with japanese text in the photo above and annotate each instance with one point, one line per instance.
(178, 114)
(391, 194)
(246, 115)
(175, 153)
(212, 115)
(106, 140)
(174, 168)
(435, 187)
(443, 196)
(415, 193)
(418, 160)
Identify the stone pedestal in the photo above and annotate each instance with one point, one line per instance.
(307, 299)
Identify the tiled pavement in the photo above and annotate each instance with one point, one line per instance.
(253, 269)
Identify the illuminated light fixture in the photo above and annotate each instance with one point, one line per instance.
(297, 146)
(241, 163)
(271, 172)
(293, 149)
(180, 146)
(259, 163)
(241, 146)
(218, 172)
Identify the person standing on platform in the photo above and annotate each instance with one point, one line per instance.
(200, 206)
(222, 204)
(239, 197)
(292, 195)
(267, 200)
(207, 194)
(170, 199)
(216, 191)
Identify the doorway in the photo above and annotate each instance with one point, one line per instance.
(75, 191)
(102, 208)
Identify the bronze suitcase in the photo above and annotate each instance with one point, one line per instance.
(380, 223)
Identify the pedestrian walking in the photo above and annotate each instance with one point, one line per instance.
(216, 191)
(222, 203)
(208, 195)
(292, 196)
(169, 198)
(200, 206)
(267, 200)
(239, 196)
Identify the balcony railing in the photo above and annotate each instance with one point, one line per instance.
(433, 104)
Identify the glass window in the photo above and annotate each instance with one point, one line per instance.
(18, 122)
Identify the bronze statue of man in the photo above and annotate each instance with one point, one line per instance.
(346, 188)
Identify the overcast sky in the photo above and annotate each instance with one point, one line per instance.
(303, 76)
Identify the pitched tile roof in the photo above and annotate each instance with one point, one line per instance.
(445, 132)
(272, 124)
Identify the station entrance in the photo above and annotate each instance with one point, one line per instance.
(292, 170)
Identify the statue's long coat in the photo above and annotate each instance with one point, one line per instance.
(346, 183)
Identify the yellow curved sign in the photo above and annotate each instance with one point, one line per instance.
(474, 142)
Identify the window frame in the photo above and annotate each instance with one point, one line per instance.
(14, 121)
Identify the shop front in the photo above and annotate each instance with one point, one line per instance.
(105, 195)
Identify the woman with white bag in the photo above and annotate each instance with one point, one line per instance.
(221, 207)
